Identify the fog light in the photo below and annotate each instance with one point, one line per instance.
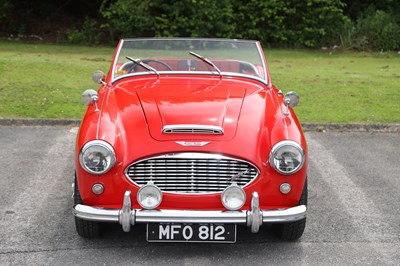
(285, 188)
(149, 196)
(98, 189)
(233, 197)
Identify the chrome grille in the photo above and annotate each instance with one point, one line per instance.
(192, 172)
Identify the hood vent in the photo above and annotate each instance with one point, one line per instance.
(192, 129)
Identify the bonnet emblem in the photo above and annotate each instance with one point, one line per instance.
(192, 143)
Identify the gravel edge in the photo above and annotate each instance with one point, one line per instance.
(38, 122)
(379, 128)
(308, 127)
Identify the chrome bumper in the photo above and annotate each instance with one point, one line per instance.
(127, 217)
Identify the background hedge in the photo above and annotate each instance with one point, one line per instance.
(364, 25)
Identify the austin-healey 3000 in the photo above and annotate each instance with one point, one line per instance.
(190, 137)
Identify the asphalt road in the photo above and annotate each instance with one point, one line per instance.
(353, 218)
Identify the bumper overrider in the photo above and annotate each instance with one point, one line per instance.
(127, 216)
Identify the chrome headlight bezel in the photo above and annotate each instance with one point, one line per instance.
(286, 146)
(101, 147)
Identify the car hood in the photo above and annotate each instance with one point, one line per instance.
(192, 109)
(134, 113)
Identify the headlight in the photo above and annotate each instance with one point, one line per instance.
(97, 157)
(286, 157)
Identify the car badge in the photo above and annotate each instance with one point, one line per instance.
(239, 175)
(193, 143)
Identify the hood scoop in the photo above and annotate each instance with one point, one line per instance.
(192, 129)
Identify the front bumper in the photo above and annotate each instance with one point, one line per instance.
(127, 216)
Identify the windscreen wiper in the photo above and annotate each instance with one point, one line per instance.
(144, 65)
(205, 60)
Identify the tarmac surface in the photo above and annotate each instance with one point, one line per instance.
(353, 216)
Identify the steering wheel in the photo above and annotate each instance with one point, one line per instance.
(146, 61)
(247, 68)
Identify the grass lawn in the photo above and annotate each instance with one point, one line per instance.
(340, 87)
(46, 81)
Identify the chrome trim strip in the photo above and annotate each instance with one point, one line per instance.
(284, 215)
(96, 214)
(199, 73)
(183, 216)
(127, 217)
(192, 129)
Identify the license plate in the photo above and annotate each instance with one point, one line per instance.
(222, 233)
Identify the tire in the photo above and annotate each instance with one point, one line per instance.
(293, 230)
(84, 228)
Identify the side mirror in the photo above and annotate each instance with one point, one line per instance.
(291, 99)
(98, 77)
(90, 96)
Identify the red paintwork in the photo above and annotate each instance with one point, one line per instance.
(133, 111)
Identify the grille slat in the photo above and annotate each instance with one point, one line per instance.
(192, 172)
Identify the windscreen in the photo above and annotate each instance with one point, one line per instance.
(201, 56)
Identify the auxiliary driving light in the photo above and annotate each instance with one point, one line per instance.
(98, 189)
(285, 188)
(149, 196)
(233, 197)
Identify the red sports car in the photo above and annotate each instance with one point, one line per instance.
(190, 137)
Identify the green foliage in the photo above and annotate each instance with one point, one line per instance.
(190, 18)
(380, 30)
(359, 24)
(76, 36)
(374, 30)
(89, 33)
(310, 23)
(354, 9)
(301, 23)
(5, 7)
(129, 18)
(296, 23)
(194, 18)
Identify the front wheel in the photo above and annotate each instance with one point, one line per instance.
(86, 229)
(293, 230)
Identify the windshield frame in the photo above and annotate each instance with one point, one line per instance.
(263, 78)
